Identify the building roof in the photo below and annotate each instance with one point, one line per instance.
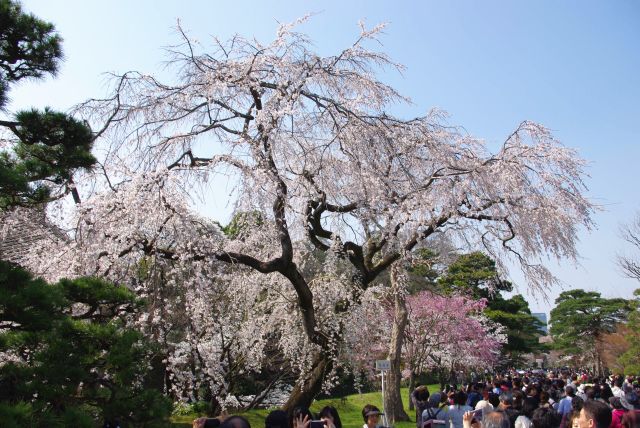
(22, 229)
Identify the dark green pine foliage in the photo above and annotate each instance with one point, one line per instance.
(630, 359)
(580, 318)
(473, 275)
(69, 359)
(523, 330)
(48, 146)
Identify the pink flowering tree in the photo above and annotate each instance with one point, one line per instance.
(308, 144)
(445, 332)
(441, 332)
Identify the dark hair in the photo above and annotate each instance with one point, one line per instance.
(331, 412)
(615, 403)
(569, 390)
(297, 412)
(590, 393)
(544, 397)
(493, 399)
(605, 392)
(599, 412)
(460, 398)
(528, 406)
(276, 419)
(422, 393)
(545, 417)
(235, 422)
(577, 403)
(367, 409)
(518, 398)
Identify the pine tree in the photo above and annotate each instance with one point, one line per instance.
(47, 147)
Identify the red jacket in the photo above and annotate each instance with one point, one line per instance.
(616, 418)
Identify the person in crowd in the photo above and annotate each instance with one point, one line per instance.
(631, 418)
(222, 421)
(473, 395)
(594, 414)
(277, 419)
(617, 387)
(618, 411)
(495, 420)
(494, 400)
(630, 394)
(545, 399)
(506, 406)
(518, 399)
(526, 413)
(590, 393)
(235, 422)
(330, 415)
(299, 417)
(545, 417)
(569, 420)
(435, 410)
(564, 407)
(605, 392)
(484, 404)
(532, 392)
(457, 410)
(420, 397)
(371, 415)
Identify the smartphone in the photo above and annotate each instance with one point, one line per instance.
(477, 414)
(316, 424)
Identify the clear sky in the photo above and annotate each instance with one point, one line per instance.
(571, 65)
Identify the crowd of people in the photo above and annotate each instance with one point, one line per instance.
(512, 400)
(535, 400)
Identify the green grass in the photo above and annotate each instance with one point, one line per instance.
(349, 408)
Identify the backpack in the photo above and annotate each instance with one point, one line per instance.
(431, 419)
(430, 414)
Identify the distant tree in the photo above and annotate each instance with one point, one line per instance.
(475, 275)
(611, 347)
(580, 318)
(41, 149)
(452, 331)
(423, 272)
(441, 332)
(630, 359)
(630, 264)
(522, 329)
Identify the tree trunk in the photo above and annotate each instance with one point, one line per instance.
(599, 370)
(392, 399)
(303, 394)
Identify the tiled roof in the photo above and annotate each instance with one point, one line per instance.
(22, 229)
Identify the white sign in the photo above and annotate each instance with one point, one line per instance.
(384, 365)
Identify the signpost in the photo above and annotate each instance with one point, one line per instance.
(383, 366)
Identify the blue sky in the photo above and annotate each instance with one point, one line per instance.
(572, 65)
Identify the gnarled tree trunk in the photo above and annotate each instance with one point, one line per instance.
(303, 394)
(392, 398)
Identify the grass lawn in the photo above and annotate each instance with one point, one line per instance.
(349, 408)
